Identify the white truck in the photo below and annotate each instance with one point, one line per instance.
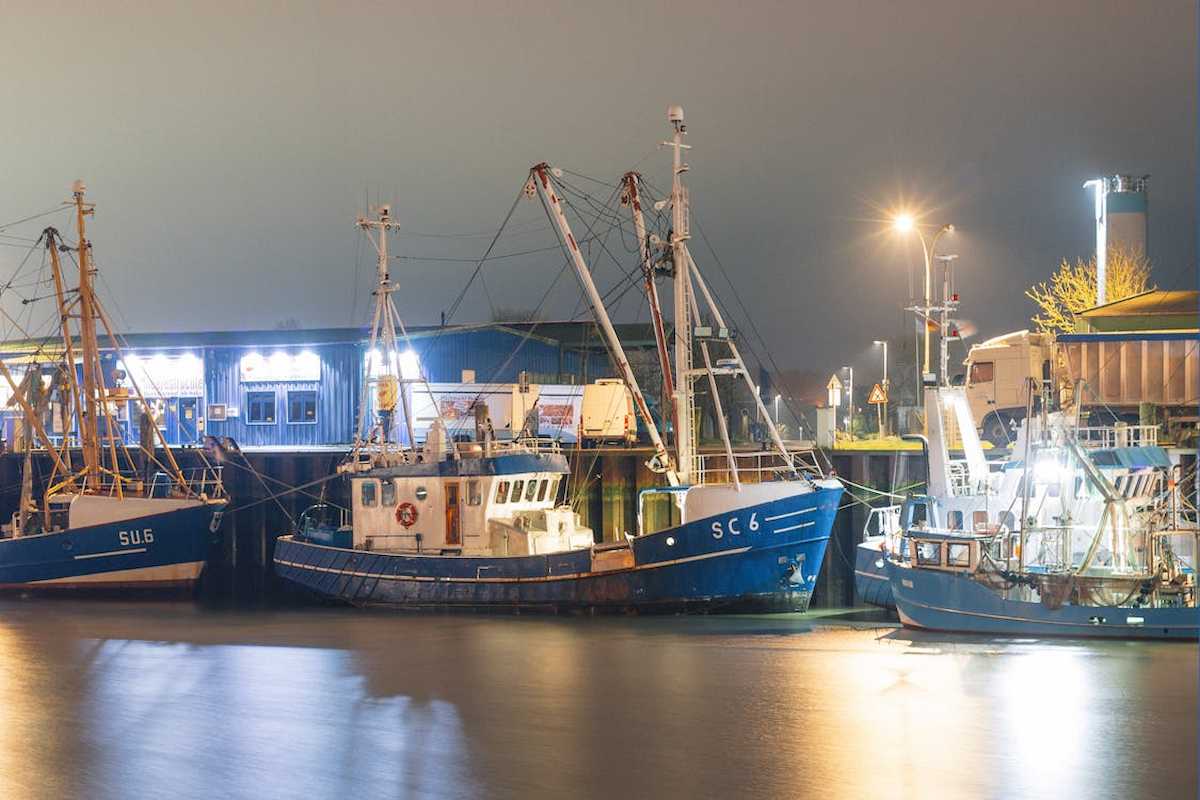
(1121, 372)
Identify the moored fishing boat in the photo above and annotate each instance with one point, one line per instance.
(104, 518)
(1086, 534)
(464, 521)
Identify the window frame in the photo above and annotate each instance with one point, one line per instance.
(291, 421)
(976, 368)
(259, 394)
(362, 493)
(543, 485)
(518, 488)
(501, 492)
(474, 495)
(920, 557)
(530, 490)
(959, 547)
(387, 494)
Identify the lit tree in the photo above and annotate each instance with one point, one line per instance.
(1072, 288)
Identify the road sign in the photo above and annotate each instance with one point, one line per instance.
(878, 396)
(835, 392)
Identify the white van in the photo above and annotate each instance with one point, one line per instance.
(608, 415)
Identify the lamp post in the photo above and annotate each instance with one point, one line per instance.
(883, 410)
(777, 410)
(905, 223)
(850, 402)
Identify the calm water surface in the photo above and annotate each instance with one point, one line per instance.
(116, 700)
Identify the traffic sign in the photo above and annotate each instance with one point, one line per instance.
(834, 384)
(878, 396)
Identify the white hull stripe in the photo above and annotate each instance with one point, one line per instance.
(871, 575)
(794, 527)
(127, 552)
(790, 514)
(1034, 621)
(540, 579)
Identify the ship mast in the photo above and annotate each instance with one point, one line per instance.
(685, 444)
(93, 381)
(540, 178)
(632, 197)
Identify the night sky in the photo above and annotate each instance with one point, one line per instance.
(230, 150)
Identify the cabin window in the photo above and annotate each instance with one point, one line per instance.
(474, 497)
(302, 406)
(929, 554)
(545, 484)
(954, 520)
(553, 493)
(388, 496)
(368, 493)
(518, 487)
(1008, 520)
(982, 372)
(918, 515)
(979, 520)
(502, 492)
(958, 554)
(260, 408)
(530, 491)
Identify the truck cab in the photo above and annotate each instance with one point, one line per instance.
(996, 375)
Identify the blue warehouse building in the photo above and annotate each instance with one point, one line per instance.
(302, 388)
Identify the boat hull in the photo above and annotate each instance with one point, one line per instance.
(871, 583)
(947, 601)
(158, 551)
(764, 557)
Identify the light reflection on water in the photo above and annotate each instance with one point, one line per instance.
(108, 700)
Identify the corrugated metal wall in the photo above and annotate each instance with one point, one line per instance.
(496, 355)
(337, 397)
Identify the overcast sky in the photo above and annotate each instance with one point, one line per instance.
(231, 145)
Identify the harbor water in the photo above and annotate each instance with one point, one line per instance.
(116, 700)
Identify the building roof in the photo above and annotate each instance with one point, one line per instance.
(1156, 309)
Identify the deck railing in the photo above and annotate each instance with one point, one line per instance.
(753, 466)
(1117, 436)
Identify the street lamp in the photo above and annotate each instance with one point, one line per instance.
(905, 223)
(850, 402)
(777, 410)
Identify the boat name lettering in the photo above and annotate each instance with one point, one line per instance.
(144, 536)
(718, 530)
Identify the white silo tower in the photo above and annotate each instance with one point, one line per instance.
(1120, 220)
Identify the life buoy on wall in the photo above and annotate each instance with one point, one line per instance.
(406, 514)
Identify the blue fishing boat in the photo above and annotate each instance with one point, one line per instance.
(1085, 534)
(466, 520)
(105, 517)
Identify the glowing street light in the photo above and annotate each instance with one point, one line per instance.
(904, 223)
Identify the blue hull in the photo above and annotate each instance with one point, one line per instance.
(152, 552)
(764, 558)
(947, 601)
(871, 583)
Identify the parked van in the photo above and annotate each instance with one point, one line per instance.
(608, 415)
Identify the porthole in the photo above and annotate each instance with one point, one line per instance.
(422, 493)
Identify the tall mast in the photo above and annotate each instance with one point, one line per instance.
(632, 196)
(92, 379)
(540, 177)
(383, 327)
(685, 445)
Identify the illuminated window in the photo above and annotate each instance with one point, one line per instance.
(474, 497)
(518, 486)
(982, 372)
(502, 492)
(530, 491)
(302, 406)
(369, 489)
(260, 408)
(545, 484)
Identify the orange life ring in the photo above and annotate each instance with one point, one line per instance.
(406, 514)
